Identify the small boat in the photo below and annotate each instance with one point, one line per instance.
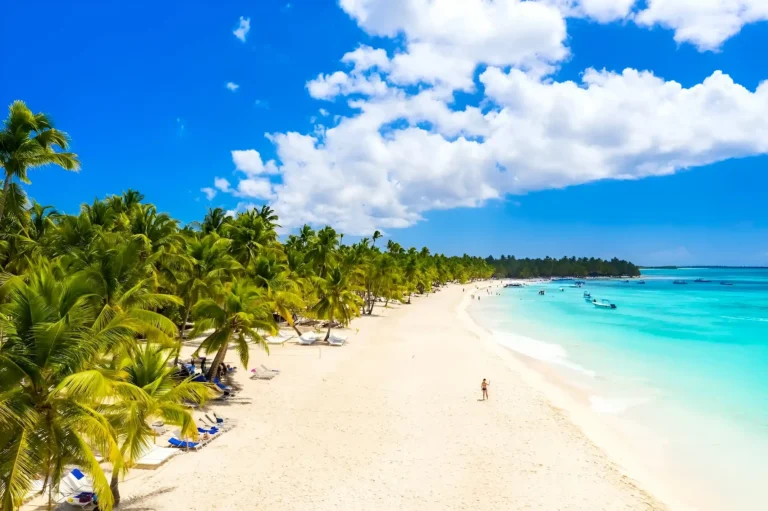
(513, 285)
(580, 282)
(587, 296)
(626, 282)
(679, 282)
(604, 304)
(702, 280)
(726, 284)
(641, 282)
(541, 292)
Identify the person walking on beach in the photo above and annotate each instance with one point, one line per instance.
(484, 388)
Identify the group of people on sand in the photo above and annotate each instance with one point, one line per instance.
(189, 369)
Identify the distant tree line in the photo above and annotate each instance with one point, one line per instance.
(511, 267)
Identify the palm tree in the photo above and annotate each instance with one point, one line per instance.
(337, 300)
(211, 267)
(251, 235)
(237, 317)
(54, 394)
(283, 289)
(268, 215)
(131, 199)
(412, 274)
(27, 141)
(376, 235)
(41, 220)
(214, 220)
(322, 250)
(157, 394)
(125, 287)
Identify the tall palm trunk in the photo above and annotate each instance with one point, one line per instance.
(182, 328)
(114, 487)
(328, 334)
(218, 359)
(6, 187)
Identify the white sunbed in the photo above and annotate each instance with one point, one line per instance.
(156, 457)
(71, 484)
(337, 340)
(280, 339)
(276, 371)
(261, 374)
(308, 338)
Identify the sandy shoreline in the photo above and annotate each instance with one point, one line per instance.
(392, 421)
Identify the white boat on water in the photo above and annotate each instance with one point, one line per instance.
(605, 304)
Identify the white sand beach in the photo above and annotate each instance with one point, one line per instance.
(392, 420)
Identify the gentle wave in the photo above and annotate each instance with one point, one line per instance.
(540, 350)
(614, 406)
(761, 320)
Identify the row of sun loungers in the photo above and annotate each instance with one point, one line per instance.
(210, 431)
(76, 489)
(309, 338)
(306, 339)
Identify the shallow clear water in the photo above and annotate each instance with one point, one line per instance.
(686, 363)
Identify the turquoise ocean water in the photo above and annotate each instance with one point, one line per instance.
(685, 364)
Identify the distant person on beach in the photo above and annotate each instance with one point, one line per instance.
(484, 388)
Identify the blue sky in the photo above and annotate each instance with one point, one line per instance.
(141, 88)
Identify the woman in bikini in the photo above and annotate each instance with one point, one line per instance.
(484, 388)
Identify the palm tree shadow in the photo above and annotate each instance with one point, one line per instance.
(133, 502)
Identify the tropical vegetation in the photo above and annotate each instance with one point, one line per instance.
(95, 307)
(510, 267)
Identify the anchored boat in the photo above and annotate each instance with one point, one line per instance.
(604, 304)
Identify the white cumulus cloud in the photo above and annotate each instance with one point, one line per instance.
(408, 148)
(365, 57)
(232, 86)
(243, 27)
(222, 184)
(256, 188)
(445, 39)
(210, 193)
(250, 162)
(704, 23)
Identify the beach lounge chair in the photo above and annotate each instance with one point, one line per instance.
(280, 338)
(308, 338)
(220, 422)
(73, 483)
(337, 340)
(222, 387)
(82, 499)
(183, 444)
(276, 371)
(261, 374)
(213, 430)
(156, 457)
